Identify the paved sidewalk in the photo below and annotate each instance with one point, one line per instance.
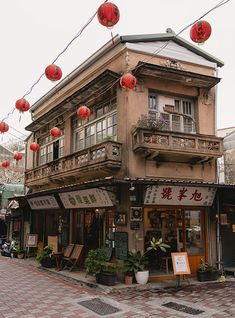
(29, 292)
(81, 278)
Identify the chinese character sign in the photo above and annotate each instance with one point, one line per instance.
(86, 198)
(179, 195)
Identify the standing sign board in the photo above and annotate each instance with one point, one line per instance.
(31, 240)
(180, 263)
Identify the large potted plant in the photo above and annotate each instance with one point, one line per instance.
(45, 257)
(207, 272)
(96, 264)
(140, 261)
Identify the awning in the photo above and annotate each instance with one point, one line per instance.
(13, 204)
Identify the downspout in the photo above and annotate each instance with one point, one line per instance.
(218, 241)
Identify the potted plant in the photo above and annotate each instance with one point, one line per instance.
(140, 261)
(20, 252)
(96, 265)
(129, 268)
(45, 257)
(207, 272)
(148, 122)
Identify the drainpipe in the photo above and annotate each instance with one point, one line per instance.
(218, 242)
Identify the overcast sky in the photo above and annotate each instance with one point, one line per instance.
(33, 33)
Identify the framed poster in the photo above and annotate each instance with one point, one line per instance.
(180, 263)
(120, 218)
(31, 240)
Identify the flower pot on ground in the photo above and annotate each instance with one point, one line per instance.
(45, 257)
(128, 279)
(96, 265)
(20, 252)
(140, 261)
(207, 272)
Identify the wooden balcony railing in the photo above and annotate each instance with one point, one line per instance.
(106, 155)
(154, 143)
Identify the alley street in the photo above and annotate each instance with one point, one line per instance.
(29, 292)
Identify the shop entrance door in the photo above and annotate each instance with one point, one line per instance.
(182, 229)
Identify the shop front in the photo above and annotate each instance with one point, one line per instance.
(49, 221)
(178, 215)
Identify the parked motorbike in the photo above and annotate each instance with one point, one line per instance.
(8, 248)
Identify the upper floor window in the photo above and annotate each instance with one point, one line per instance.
(51, 149)
(102, 127)
(178, 112)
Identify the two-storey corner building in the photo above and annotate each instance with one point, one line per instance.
(143, 165)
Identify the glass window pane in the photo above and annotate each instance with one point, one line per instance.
(193, 232)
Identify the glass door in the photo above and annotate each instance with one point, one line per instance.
(182, 229)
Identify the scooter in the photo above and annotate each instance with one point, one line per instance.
(8, 248)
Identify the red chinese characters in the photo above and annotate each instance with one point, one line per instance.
(167, 193)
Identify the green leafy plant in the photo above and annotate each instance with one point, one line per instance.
(18, 249)
(206, 267)
(151, 123)
(94, 262)
(45, 254)
(138, 262)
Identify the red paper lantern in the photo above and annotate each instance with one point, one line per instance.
(22, 105)
(83, 112)
(3, 127)
(55, 132)
(108, 14)
(5, 164)
(128, 81)
(34, 146)
(17, 156)
(200, 31)
(53, 72)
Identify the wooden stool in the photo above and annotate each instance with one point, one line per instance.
(165, 264)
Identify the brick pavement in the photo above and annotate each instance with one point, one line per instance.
(29, 292)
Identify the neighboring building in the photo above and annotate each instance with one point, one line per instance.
(7, 191)
(120, 172)
(15, 172)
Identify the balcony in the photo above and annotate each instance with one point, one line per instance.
(103, 158)
(176, 146)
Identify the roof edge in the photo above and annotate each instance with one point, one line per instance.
(170, 35)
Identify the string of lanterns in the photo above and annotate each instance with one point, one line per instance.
(108, 15)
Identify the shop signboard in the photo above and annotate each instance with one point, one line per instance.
(43, 202)
(179, 195)
(88, 198)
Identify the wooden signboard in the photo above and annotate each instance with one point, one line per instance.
(180, 263)
(31, 240)
(53, 242)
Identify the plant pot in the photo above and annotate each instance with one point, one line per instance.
(106, 278)
(207, 276)
(20, 255)
(142, 277)
(48, 263)
(128, 280)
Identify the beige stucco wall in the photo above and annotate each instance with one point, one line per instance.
(130, 106)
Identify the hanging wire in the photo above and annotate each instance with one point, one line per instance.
(221, 3)
(29, 91)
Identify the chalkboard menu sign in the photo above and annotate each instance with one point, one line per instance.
(121, 245)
